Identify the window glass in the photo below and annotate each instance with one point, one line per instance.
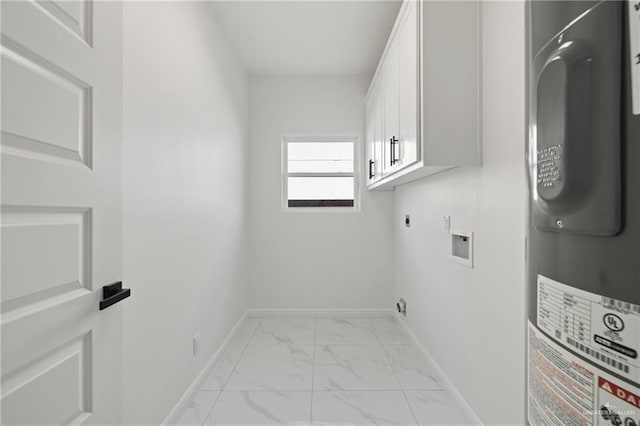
(321, 188)
(320, 173)
(310, 157)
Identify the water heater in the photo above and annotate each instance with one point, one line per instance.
(583, 239)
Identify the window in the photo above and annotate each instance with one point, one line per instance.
(319, 171)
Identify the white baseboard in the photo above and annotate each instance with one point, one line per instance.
(471, 415)
(267, 313)
(191, 391)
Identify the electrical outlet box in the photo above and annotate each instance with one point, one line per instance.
(196, 344)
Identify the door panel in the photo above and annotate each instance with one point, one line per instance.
(57, 241)
(378, 129)
(52, 116)
(390, 105)
(75, 15)
(408, 86)
(61, 211)
(58, 377)
(375, 127)
(370, 139)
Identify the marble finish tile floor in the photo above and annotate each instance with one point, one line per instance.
(322, 371)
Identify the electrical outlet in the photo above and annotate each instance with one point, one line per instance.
(196, 344)
(447, 223)
(407, 221)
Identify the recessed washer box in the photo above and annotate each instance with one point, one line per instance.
(462, 247)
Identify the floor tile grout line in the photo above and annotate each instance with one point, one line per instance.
(235, 365)
(224, 385)
(404, 391)
(211, 409)
(404, 394)
(390, 361)
(406, 398)
(395, 374)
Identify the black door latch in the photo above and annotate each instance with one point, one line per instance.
(113, 293)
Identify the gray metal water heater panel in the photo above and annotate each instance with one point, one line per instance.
(575, 113)
(601, 258)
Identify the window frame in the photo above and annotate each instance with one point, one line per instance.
(320, 138)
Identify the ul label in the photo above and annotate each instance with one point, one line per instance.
(613, 322)
(634, 46)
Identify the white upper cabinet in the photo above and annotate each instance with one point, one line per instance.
(427, 83)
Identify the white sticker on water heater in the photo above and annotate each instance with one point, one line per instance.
(562, 389)
(634, 48)
(605, 330)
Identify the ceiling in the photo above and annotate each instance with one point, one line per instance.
(308, 37)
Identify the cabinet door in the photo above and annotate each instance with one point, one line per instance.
(391, 109)
(378, 130)
(374, 133)
(407, 42)
(370, 155)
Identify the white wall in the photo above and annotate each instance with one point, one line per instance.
(472, 320)
(313, 260)
(185, 198)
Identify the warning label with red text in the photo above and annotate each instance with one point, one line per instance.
(565, 390)
(618, 404)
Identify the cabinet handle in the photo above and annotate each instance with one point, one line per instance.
(394, 142)
(391, 152)
(371, 173)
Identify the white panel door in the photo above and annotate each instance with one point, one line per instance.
(61, 211)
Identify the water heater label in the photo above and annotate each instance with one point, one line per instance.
(565, 390)
(634, 46)
(605, 330)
